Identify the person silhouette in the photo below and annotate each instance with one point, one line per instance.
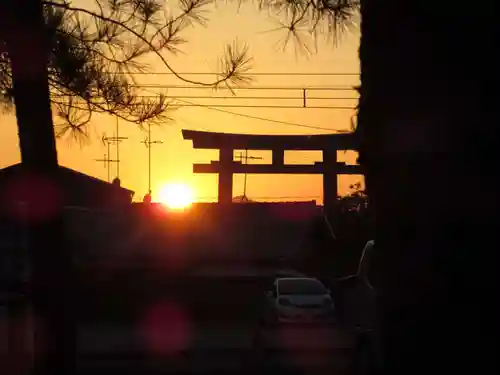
(147, 197)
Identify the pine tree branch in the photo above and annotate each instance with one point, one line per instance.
(236, 61)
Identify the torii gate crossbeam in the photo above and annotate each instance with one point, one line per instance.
(225, 167)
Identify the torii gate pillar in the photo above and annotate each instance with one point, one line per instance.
(226, 157)
(330, 177)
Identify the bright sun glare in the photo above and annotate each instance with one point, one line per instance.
(176, 196)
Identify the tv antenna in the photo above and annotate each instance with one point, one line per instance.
(117, 140)
(243, 157)
(149, 143)
(114, 140)
(108, 141)
(107, 163)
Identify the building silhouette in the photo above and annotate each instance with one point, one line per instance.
(75, 189)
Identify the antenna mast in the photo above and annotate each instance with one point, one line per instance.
(149, 143)
(244, 157)
(107, 160)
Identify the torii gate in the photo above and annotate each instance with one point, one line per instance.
(226, 166)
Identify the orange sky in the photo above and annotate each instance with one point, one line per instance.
(172, 160)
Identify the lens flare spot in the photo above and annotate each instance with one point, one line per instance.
(165, 329)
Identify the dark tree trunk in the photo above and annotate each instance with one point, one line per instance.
(40, 189)
(428, 129)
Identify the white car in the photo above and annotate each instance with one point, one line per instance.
(299, 300)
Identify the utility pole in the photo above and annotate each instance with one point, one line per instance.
(148, 143)
(244, 157)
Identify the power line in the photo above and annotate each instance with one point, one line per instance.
(253, 87)
(304, 98)
(349, 108)
(250, 97)
(214, 108)
(300, 74)
(259, 118)
(262, 106)
(303, 104)
(256, 117)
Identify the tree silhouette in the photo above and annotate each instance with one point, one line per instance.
(94, 52)
(421, 92)
(306, 21)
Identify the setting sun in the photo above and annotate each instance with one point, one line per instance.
(176, 196)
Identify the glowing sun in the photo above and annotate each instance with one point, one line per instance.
(176, 196)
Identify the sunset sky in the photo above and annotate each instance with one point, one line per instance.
(172, 160)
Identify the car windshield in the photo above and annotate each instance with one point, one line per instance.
(301, 286)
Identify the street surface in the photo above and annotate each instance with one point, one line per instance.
(216, 348)
(204, 326)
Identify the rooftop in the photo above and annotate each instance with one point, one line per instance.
(74, 189)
